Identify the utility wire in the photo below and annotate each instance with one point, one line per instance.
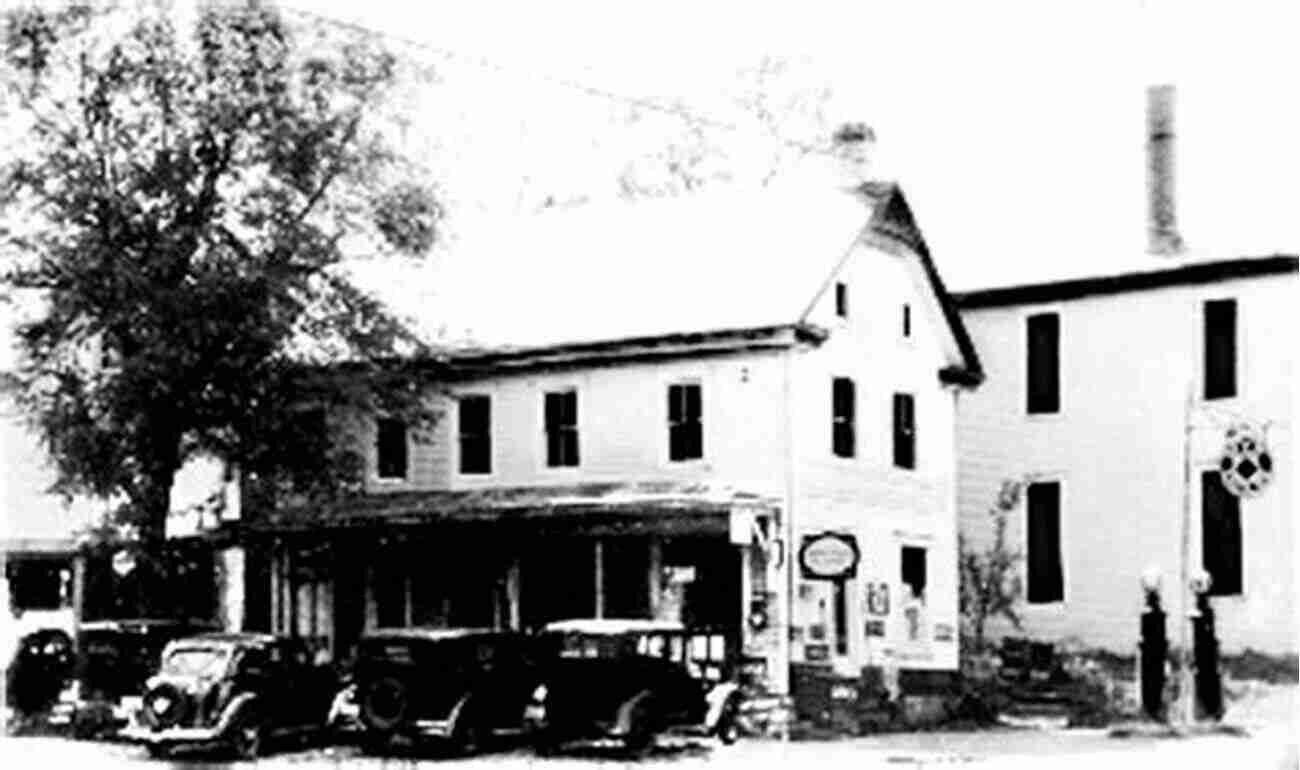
(483, 62)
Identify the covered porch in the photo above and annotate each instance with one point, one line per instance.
(519, 558)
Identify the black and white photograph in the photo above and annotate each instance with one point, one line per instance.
(500, 384)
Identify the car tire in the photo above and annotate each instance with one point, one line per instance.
(247, 740)
(728, 728)
(383, 705)
(641, 729)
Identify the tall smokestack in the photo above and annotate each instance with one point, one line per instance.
(1162, 202)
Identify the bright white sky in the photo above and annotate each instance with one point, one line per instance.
(1016, 128)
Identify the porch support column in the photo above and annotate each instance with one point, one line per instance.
(655, 579)
(598, 558)
(512, 592)
(371, 606)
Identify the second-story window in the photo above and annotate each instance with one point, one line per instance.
(843, 417)
(907, 320)
(904, 430)
(1220, 348)
(561, 429)
(685, 424)
(390, 448)
(1043, 367)
(842, 300)
(475, 434)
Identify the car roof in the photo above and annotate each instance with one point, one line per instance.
(434, 634)
(230, 638)
(611, 626)
(142, 624)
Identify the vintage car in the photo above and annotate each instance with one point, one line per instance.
(630, 680)
(114, 659)
(40, 664)
(458, 687)
(234, 690)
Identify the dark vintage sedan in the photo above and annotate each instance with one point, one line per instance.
(457, 687)
(630, 680)
(114, 659)
(234, 690)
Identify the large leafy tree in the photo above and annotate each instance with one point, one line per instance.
(176, 205)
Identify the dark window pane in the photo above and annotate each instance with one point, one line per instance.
(1221, 552)
(843, 427)
(1043, 367)
(904, 431)
(841, 300)
(1221, 348)
(1046, 578)
(625, 570)
(475, 434)
(391, 448)
(561, 429)
(907, 320)
(685, 431)
(914, 569)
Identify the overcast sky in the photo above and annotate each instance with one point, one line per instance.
(1016, 128)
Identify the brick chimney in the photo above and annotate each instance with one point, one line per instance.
(852, 146)
(1162, 200)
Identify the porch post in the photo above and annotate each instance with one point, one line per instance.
(371, 606)
(655, 578)
(598, 557)
(512, 592)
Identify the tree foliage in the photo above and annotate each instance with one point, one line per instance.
(176, 210)
(990, 578)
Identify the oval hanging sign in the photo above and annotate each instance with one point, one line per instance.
(829, 556)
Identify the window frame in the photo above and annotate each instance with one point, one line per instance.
(844, 424)
(485, 436)
(380, 465)
(1044, 400)
(842, 300)
(1060, 542)
(904, 432)
(685, 420)
(567, 432)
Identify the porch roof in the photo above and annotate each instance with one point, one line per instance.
(598, 504)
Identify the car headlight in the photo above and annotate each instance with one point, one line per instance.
(71, 693)
(539, 694)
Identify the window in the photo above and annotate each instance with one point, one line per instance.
(1220, 535)
(390, 448)
(842, 300)
(907, 320)
(1220, 348)
(561, 429)
(475, 434)
(1043, 379)
(685, 432)
(1046, 578)
(904, 431)
(914, 572)
(840, 597)
(843, 408)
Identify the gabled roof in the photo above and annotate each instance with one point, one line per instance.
(725, 260)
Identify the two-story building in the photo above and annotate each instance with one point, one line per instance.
(734, 409)
(1145, 400)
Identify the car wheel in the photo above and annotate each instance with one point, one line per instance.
(247, 740)
(468, 738)
(383, 705)
(728, 729)
(641, 731)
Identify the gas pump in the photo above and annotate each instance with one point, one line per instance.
(1153, 648)
(1205, 647)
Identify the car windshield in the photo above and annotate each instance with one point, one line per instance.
(196, 661)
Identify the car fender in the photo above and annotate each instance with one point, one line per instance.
(623, 724)
(240, 705)
(453, 718)
(717, 699)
